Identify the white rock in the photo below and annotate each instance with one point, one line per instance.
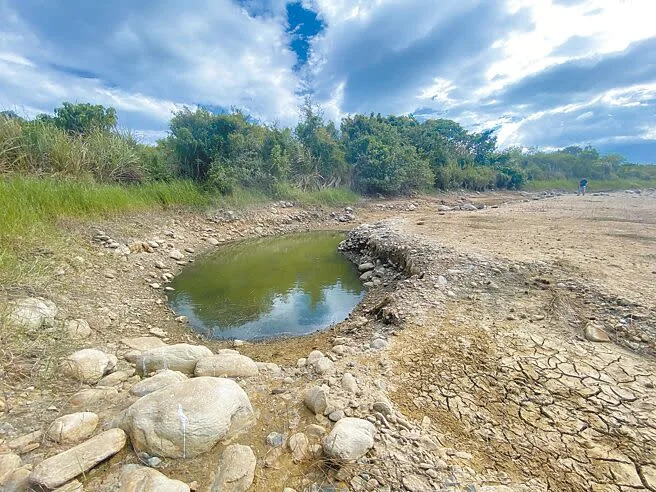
(137, 478)
(73, 427)
(314, 356)
(9, 462)
(379, 344)
(88, 365)
(324, 365)
(236, 469)
(143, 343)
(187, 418)
(350, 439)
(269, 367)
(180, 357)
(226, 365)
(32, 313)
(159, 380)
(316, 399)
(176, 254)
(59, 469)
(77, 328)
(349, 383)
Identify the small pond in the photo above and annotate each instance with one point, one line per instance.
(280, 286)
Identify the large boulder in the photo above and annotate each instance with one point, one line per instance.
(88, 365)
(137, 478)
(350, 439)
(188, 418)
(59, 469)
(236, 470)
(32, 313)
(180, 357)
(73, 427)
(229, 365)
(160, 380)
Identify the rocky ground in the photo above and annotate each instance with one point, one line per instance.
(506, 342)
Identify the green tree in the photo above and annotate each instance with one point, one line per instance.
(83, 119)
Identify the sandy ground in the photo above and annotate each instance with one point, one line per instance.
(492, 363)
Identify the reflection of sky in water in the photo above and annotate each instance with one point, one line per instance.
(291, 313)
(288, 285)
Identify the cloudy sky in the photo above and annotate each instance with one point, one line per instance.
(546, 73)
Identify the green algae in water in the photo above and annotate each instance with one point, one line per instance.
(280, 286)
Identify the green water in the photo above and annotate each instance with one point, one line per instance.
(286, 285)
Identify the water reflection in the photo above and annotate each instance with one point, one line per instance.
(288, 285)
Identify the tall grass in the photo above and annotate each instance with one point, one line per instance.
(38, 148)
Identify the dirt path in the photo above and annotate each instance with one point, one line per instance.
(468, 353)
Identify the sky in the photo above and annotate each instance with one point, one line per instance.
(544, 73)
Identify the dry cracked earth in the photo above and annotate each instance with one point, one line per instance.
(473, 353)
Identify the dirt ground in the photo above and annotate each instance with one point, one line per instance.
(493, 385)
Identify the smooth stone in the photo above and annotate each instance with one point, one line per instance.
(236, 469)
(350, 439)
(314, 356)
(180, 357)
(92, 396)
(595, 333)
(226, 365)
(363, 267)
(143, 343)
(73, 427)
(379, 344)
(59, 469)
(32, 313)
(324, 365)
(316, 399)
(188, 418)
(176, 254)
(116, 378)
(137, 478)
(161, 379)
(88, 365)
(275, 439)
(349, 383)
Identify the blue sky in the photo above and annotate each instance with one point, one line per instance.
(546, 73)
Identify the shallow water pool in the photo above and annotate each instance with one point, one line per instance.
(280, 286)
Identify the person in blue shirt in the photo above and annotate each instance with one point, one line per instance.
(583, 184)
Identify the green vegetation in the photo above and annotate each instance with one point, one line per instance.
(76, 163)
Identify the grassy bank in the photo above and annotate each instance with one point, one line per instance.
(32, 207)
(615, 184)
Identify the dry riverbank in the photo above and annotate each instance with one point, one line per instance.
(468, 355)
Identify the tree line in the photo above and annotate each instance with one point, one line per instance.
(371, 154)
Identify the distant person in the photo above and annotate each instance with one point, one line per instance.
(583, 184)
